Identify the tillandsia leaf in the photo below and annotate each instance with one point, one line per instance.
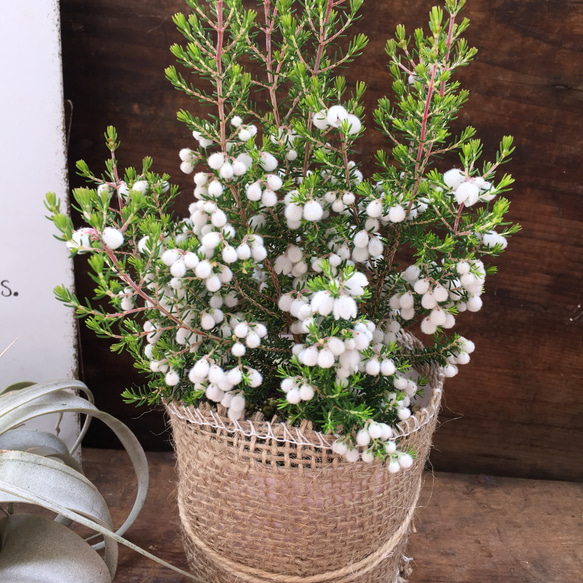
(21, 493)
(14, 400)
(16, 386)
(22, 409)
(31, 478)
(61, 401)
(26, 392)
(37, 442)
(36, 549)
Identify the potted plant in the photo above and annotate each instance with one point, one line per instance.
(297, 325)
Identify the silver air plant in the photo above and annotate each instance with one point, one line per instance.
(296, 277)
(38, 469)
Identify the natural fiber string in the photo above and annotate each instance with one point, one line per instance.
(253, 575)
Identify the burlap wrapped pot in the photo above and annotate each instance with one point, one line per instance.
(269, 503)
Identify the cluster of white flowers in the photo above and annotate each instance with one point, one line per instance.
(466, 190)
(462, 293)
(362, 450)
(219, 246)
(219, 385)
(462, 357)
(337, 117)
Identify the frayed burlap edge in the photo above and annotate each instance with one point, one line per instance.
(267, 503)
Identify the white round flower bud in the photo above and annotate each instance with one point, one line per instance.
(112, 238)
(406, 300)
(367, 456)
(450, 370)
(474, 304)
(393, 467)
(427, 326)
(335, 115)
(396, 214)
(226, 172)
(412, 273)
(268, 161)
(363, 438)
(405, 460)
(386, 433)
(255, 378)
(354, 124)
(422, 286)
(274, 182)
(375, 247)
(253, 191)
(216, 160)
(178, 268)
(269, 198)
(352, 455)
(428, 301)
(293, 396)
(453, 178)
(170, 256)
(258, 252)
(238, 402)
(388, 367)
(186, 167)
(215, 189)
(306, 392)
(319, 119)
(390, 447)
(313, 211)
(229, 254)
(372, 367)
(191, 260)
(326, 358)
(440, 293)
(239, 168)
(403, 413)
(339, 447)
(438, 316)
(172, 378)
(375, 431)
(238, 349)
(219, 218)
(140, 186)
(361, 239)
(309, 356)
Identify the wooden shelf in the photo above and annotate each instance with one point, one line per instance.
(471, 529)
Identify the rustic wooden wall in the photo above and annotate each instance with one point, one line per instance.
(517, 408)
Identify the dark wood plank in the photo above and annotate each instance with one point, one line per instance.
(470, 528)
(519, 400)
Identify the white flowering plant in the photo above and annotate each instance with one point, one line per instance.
(289, 286)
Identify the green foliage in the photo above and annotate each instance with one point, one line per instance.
(296, 278)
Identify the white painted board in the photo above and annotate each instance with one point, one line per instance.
(32, 162)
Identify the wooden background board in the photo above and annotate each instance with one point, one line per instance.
(516, 410)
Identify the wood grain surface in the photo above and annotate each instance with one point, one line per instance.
(516, 410)
(470, 529)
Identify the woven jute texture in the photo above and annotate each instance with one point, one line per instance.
(268, 503)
